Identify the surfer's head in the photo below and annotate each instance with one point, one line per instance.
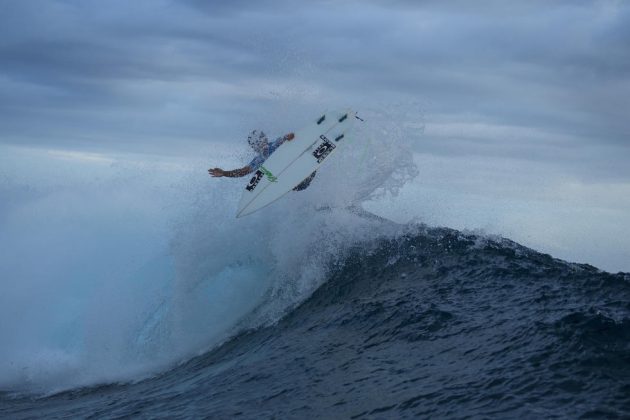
(257, 140)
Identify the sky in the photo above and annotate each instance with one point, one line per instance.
(505, 100)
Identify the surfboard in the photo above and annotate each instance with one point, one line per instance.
(295, 160)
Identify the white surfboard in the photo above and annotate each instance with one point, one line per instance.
(295, 160)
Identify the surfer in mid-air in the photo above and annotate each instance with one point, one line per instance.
(259, 142)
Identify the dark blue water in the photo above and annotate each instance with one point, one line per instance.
(434, 324)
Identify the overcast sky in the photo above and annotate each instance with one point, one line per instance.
(524, 104)
(543, 80)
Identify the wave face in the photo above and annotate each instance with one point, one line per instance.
(430, 323)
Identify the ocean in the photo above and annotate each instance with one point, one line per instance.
(129, 291)
(433, 323)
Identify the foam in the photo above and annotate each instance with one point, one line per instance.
(117, 267)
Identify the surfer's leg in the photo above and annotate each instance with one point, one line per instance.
(304, 184)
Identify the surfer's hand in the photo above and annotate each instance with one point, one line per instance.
(216, 172)
(289, 136)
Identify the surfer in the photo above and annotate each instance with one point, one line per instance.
(259, 142)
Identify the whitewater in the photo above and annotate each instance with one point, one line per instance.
(128, 287)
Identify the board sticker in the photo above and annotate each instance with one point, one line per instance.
(271, 177)
(258, 176)
(254, 181)
(323, 149)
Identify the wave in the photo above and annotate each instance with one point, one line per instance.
(120, 267)
(430, 322)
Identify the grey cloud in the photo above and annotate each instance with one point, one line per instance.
(78, 67)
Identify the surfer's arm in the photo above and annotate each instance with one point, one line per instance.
(281, 140)
(236, 173)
